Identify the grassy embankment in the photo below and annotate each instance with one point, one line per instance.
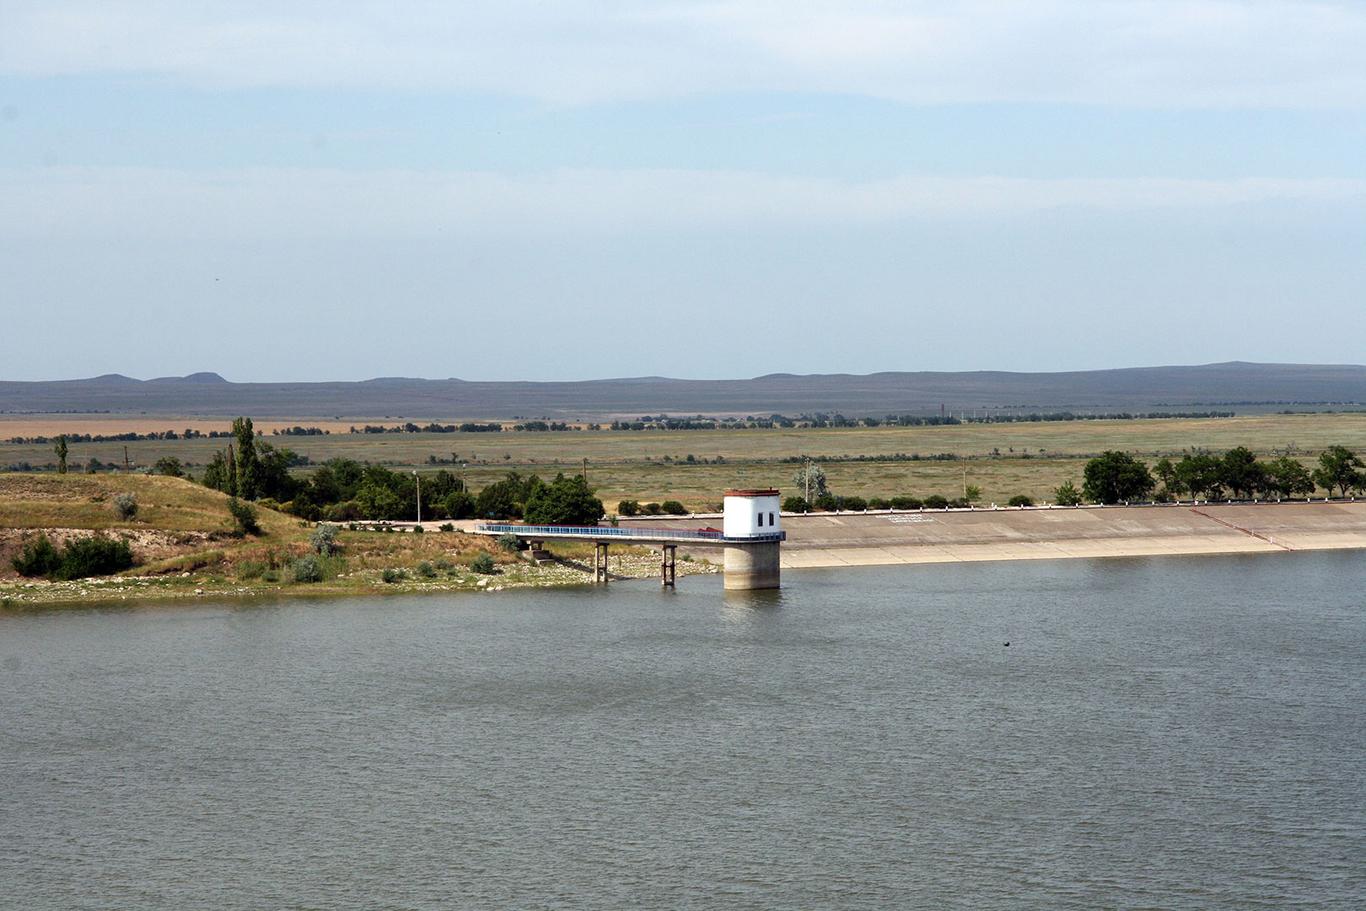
(1001, 459)
(183, 537)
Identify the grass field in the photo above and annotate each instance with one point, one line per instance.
(1001, 459)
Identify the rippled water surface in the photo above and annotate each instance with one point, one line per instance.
(1160, 733)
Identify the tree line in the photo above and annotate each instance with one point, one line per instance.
(1117, 477)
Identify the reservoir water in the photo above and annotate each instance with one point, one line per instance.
(1159, 733)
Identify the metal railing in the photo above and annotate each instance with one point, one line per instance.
(599, 531)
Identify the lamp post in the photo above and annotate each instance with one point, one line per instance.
(418, 478)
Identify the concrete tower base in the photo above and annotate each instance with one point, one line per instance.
(751, 566)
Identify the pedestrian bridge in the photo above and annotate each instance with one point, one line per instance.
(699, 537)
(737, 547)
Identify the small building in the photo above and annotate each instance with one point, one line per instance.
(751, 513)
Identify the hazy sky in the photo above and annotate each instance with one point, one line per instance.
(343, 190)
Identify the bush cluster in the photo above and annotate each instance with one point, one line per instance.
(81, 558)
(307, 569)
(324, 540)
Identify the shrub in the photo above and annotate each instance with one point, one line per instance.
(446, 526)
(97, 556)
(170, 466)
(857, 504)
(509, 543)
(628, 508)
(324, 540)
(244, 515)
(426, 570)
(251, 569)
(935, 501)
(126, 505)
(390, 576)
(1020, 500)
(445, 565)
(796, 504)
(38, 558)
(270, 575)
(268, 503)
(906, 503)
(1067, 495)
(417, 530)
(482, 564)
(306, 569)
(673, 508)
(878, 503)
(826, 502)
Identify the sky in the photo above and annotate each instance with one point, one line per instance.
(578, 190)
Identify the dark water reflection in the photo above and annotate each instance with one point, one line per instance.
(1175, 733)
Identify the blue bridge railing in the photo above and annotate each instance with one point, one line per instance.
(601, 531)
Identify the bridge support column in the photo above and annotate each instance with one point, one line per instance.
(600, 563)
(751, 566)
(668, 565)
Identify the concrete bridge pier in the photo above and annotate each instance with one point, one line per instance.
(751, 566)
(600, 563)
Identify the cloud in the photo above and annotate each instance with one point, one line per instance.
(1165, 53)
(280, 202)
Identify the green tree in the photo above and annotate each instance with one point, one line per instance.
(458, 505)
(1114, 477)
(61, 449)
(273, 479)
(244, 517)
(232, 473)
(1200, 475)
(1339, 467)
(377, 501)
(564, 501)
(507, 498)
(1286, 477)
(216, 473)
(248, 466)
(1241, 473)
(1165, 472)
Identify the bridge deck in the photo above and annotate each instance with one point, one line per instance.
(601, 534)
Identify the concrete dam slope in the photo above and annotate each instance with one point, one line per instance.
(853, 539)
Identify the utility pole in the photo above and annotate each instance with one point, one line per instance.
(965, 483)
(585, 469)
(418, 478)
(127, 466)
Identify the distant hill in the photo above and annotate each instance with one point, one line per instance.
(1131, 389)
